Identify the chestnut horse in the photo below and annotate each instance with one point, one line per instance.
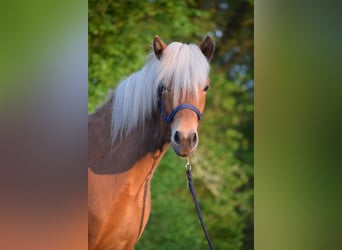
(158, 105)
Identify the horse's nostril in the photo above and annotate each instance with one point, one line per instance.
(194, 138)
(177, 138)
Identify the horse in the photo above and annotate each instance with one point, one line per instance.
(159, 105)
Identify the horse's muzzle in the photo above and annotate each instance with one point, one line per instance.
(184, 144)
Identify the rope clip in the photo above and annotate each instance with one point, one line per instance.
(187, 164)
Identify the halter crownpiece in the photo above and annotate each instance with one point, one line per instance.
(169, 118)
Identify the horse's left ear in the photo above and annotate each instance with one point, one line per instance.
(158, 46)
(207, 47)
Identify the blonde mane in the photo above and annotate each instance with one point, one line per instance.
(182, 68)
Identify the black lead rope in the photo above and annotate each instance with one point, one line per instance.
(193, 193)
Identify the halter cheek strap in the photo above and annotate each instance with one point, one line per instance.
(169, 118)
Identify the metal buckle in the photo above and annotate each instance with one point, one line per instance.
(187, 164)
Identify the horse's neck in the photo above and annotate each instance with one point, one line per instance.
(119, 178)
(150, 142)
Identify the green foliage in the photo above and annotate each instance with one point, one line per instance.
(120, 37)
(121, 33)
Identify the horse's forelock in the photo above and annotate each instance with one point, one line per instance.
(183, 68)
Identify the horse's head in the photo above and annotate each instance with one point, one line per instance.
(183, 76)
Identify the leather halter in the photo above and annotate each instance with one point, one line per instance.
(169, 118)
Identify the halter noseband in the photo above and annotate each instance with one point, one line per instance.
(169, 118)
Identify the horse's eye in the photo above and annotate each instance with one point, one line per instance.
(206, 88)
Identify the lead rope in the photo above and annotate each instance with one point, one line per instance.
(193, 193)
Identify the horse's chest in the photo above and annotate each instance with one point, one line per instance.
(125, 221)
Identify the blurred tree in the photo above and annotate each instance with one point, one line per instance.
(121, 33)
(120, 37)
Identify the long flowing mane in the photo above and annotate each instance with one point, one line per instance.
(181, 69)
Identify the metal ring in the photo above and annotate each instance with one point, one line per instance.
(187, 164)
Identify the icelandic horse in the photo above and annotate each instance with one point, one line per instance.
(128, 136)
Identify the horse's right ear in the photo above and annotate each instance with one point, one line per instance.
(158, 46)
(207, 47)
